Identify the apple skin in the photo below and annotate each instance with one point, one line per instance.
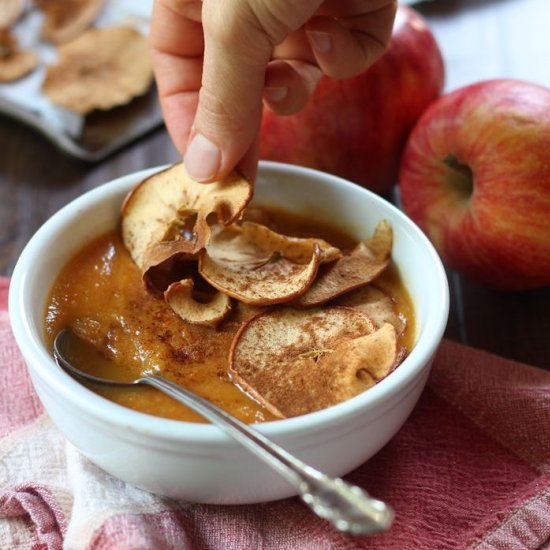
(357, 128)
(475, 176)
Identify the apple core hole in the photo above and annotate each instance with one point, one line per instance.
(461, 176)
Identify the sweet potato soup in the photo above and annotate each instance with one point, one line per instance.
(101, 296)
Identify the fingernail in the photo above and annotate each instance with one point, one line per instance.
(202, 159)
(321, 41)
(276, 93)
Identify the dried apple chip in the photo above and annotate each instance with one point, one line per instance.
(168, 214)
(198, 307)
(298, 361)
(375, 304)
(297, 249)
(101, 69)
(261, 267)
(171, 210)
(14, 63)
(252, 244)
(66, 19)
(10, 12)
(358, 268)
(276, 281)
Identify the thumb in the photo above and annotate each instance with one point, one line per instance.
(239, 37)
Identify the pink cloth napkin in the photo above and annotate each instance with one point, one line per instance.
(469, 469)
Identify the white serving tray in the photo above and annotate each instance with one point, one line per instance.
(99, 134)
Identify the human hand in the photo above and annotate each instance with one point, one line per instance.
(217, 61)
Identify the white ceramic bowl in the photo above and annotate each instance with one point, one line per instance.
(199, 462)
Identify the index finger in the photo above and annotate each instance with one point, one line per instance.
(239, 40)
(177, 45)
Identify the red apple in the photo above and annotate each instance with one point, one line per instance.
(475, 175)
(357, 128)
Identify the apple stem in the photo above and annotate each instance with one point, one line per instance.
(462, 177)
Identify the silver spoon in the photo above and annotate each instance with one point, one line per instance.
(349, 508)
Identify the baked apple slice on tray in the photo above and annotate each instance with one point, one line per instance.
(15, 63)
(10, 12)
(64, 20)
(295, 362)
(101, 69)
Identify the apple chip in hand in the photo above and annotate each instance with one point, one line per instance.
(261, 267)
(298, 361)
(167, 216)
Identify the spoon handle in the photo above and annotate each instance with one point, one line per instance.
(347, 507)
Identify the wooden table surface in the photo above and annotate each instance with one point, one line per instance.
(480, 39)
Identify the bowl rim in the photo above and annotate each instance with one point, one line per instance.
(41, 363)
